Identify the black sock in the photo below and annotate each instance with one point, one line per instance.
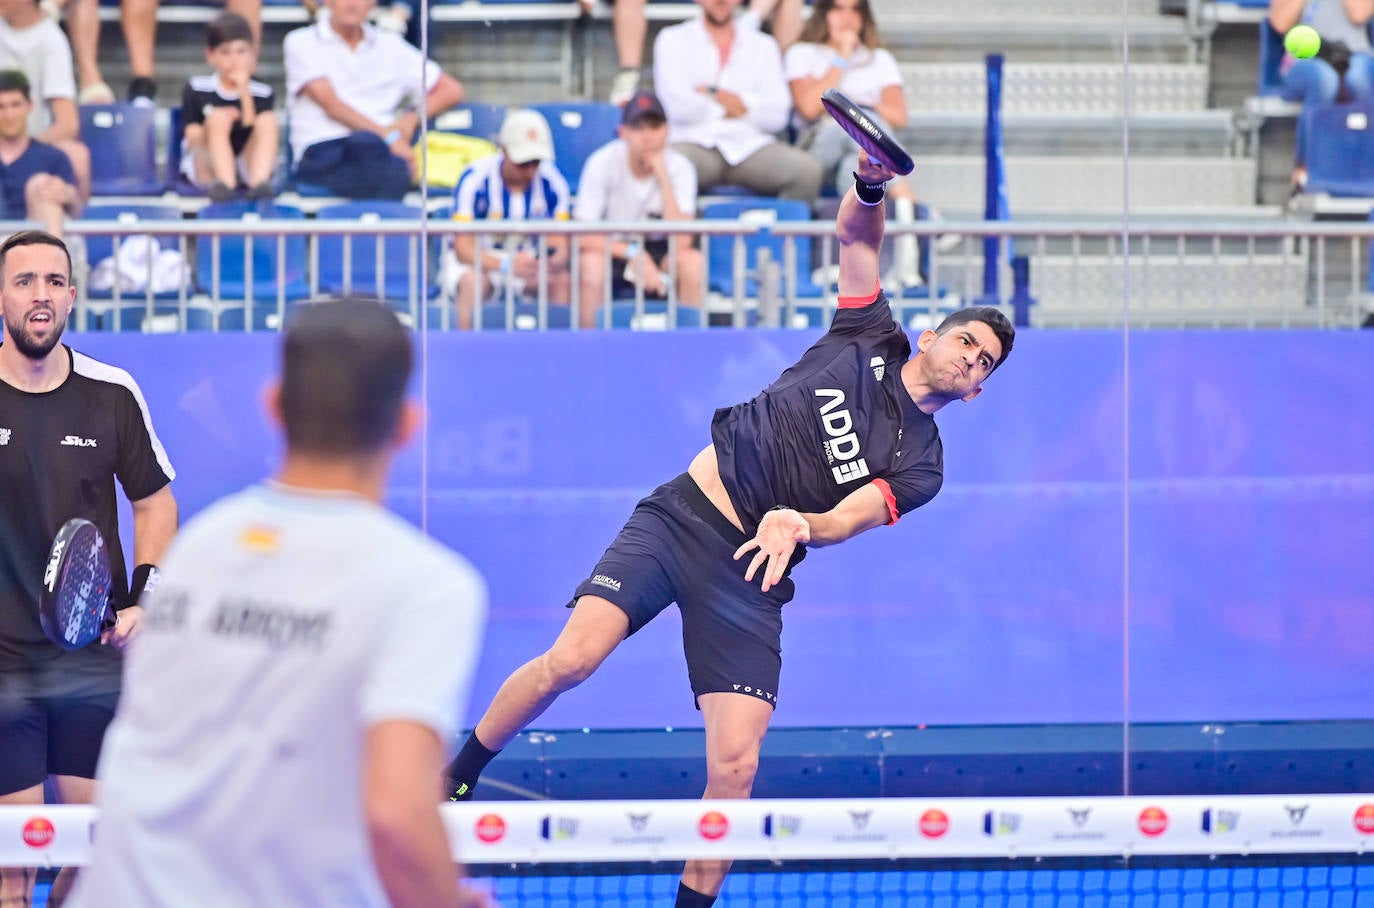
(690, 898)
(462, 773)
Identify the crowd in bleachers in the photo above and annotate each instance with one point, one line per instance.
(733, 111)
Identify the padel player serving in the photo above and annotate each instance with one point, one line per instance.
(69, 425)
(842, 442)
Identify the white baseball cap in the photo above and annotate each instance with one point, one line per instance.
(525, 137)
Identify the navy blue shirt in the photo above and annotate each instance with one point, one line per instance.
(837, 419)
(39, 157)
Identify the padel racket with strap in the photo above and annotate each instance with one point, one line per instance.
(871, 137)
(74, 606)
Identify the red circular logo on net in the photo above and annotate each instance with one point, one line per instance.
(1364, 819)
(934, 823)
(38, 832)
(491, 828)
(1153, 821)
(713, 826)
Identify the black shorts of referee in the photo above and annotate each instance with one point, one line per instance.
(678, 547)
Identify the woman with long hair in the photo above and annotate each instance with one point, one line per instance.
(840, 48)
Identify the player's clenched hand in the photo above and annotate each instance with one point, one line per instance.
(127, 623)
(776, 538)
(870, 171)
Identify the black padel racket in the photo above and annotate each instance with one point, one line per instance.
(871, 137)
(74, 607)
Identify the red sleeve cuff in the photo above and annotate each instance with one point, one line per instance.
(858, 302)
(892, 514)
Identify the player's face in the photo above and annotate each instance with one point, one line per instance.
(719, 12)
(957, 362)
(14, 114)
(36, 298)
(646, 140)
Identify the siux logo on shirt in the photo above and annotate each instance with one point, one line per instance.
(5, 436)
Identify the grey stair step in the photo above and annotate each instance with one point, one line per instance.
(1089, 186)
(1057, 88)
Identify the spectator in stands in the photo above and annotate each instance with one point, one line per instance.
(839, 48)
(721, 81)
(1317, 81)
(139, 21)
(520, 183)
(637, 177)
(230, 130)
(355, 96)
(36, 178)
(33, 44)
(630, 24)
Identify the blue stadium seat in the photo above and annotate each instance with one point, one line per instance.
(123, 143)
(720, 249)
(655, 318)
(578, 130)
(175, 181)
(480, 120)
(524, 316)
(398, 279)
(1340, 149)
(235, 253)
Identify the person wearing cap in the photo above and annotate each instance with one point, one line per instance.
(355, 95)
(637, 177)
(520, 183)
(722, 84)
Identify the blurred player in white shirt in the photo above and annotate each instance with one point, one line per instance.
(301, 669)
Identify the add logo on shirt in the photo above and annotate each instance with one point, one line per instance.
(1364, 819)
(934, 823)
(491, 828)
(38, 832)
(1153, 821)
(713, 826)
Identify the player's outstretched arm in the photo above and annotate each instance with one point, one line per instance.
(859, 226)
(781, 529)
(400, 761)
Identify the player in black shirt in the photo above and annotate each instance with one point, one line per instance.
(844, 441)
(69, 425)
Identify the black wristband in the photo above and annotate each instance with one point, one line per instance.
(145, 580)
(869, 193)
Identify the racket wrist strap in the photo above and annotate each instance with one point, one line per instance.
(869, 193)
(145, 579)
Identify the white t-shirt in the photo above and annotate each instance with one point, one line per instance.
(287, 624)
(374, 78)
(41, 53)
(609, 191)
(870, 70)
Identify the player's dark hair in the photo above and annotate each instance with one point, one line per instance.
(33, 238)
(14, 80)
(988, 315)
(227, 27)
(817, 30)
(345, 367)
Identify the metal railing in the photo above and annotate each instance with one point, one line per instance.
(1184, 273)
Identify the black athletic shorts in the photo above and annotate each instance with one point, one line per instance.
(678, 547)
(51, 735)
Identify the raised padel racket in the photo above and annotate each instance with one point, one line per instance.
(871, 137)
(74, 606)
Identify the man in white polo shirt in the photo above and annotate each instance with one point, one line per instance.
(354, 97)
(301, 669)
(721, 82)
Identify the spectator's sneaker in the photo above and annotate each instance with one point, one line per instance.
(143, 92)
(624, 86)
(97, 93)
(263, 192)
(221, 191)
(458, 791)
